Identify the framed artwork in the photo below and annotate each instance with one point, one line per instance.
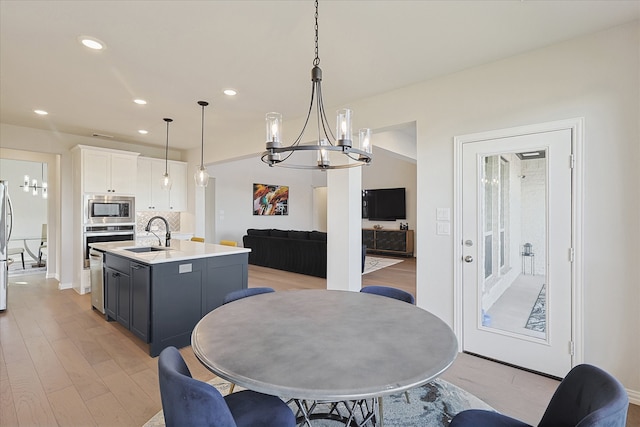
(270, 199)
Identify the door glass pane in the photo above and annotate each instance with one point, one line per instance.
(514, 252)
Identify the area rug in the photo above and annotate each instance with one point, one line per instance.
(372, 263)
(15, 269)
(537, 320)
(432, 405)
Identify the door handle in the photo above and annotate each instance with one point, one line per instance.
(468, 258)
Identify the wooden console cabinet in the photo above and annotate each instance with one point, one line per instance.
(390, 242)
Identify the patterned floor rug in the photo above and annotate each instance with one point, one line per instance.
(431, 405)
(372, 263)
(537, 320)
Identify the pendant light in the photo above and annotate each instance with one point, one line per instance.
(277, 154)
(165, 184)
(201, 176)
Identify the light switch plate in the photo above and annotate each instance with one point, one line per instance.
(443, 214)
(443, 228)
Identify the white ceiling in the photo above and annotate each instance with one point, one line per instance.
(174, 53)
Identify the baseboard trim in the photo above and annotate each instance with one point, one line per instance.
(634, 397)
(62, 286)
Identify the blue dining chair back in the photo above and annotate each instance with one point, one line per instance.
(243, 293)
(190, 402)
(185, 400)
(387, 291)
(586, 397)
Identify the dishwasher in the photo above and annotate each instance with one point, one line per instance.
(96, 259)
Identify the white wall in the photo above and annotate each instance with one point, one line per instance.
(389, 171)
(38, 145)
(595, 77)
(234, 198)
(29, 211)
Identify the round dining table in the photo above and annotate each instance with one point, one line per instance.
(324, 345)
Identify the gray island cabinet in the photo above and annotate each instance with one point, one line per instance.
(161, 295)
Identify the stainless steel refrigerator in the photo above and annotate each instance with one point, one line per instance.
(6, 223)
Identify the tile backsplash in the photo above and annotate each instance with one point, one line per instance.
(143, 217)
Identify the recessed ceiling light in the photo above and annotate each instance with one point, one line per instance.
(91, 43)
(140, 101)
(40, 112)
(143, 132)
(229, 92)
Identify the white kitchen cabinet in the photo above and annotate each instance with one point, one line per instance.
(178, 193)
(108, 172)
(150, 196)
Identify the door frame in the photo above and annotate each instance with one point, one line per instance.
(576, 125)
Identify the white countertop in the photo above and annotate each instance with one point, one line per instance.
(179, 250)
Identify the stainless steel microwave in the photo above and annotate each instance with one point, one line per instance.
(109, 210)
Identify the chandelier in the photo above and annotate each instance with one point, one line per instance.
(326, 142)
(32, 185)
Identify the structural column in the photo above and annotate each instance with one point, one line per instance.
(344, 229)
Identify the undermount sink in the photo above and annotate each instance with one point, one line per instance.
(147, 249)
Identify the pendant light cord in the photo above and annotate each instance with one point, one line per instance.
(316, 60)
(203, 104)
(166, 149)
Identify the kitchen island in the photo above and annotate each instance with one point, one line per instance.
(160, 293)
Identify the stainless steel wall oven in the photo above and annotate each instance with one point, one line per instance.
(106, 233)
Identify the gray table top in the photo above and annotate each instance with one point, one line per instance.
(324, 345)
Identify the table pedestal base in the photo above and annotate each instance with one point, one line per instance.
(353, 413)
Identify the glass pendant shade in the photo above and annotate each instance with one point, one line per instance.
(274, 129)
(165, 183)
(201, 177)
(343, 128)
(364, 137)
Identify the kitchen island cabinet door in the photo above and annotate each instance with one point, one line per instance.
(123, 315)
(140, 283)
(224, 274)
(175, 302)
(110, 293)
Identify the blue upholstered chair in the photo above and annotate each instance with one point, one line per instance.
(243, 293)
(586, 397)
(190, 402)
(390, 292)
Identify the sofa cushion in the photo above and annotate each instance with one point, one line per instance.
(279, 233)
(257, 232)
(318, 235)
(300, 235)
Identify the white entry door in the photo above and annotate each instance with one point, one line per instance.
(517, 250)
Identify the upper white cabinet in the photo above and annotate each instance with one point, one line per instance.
(107, 171)
(149, 194)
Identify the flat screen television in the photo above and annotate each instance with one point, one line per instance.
(384, 204)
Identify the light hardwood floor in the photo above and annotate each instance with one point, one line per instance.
(62, 364)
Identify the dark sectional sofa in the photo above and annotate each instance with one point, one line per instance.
(303, 252)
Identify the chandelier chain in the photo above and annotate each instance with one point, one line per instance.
(316, 60)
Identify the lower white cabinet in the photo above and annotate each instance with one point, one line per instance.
(150, 196)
